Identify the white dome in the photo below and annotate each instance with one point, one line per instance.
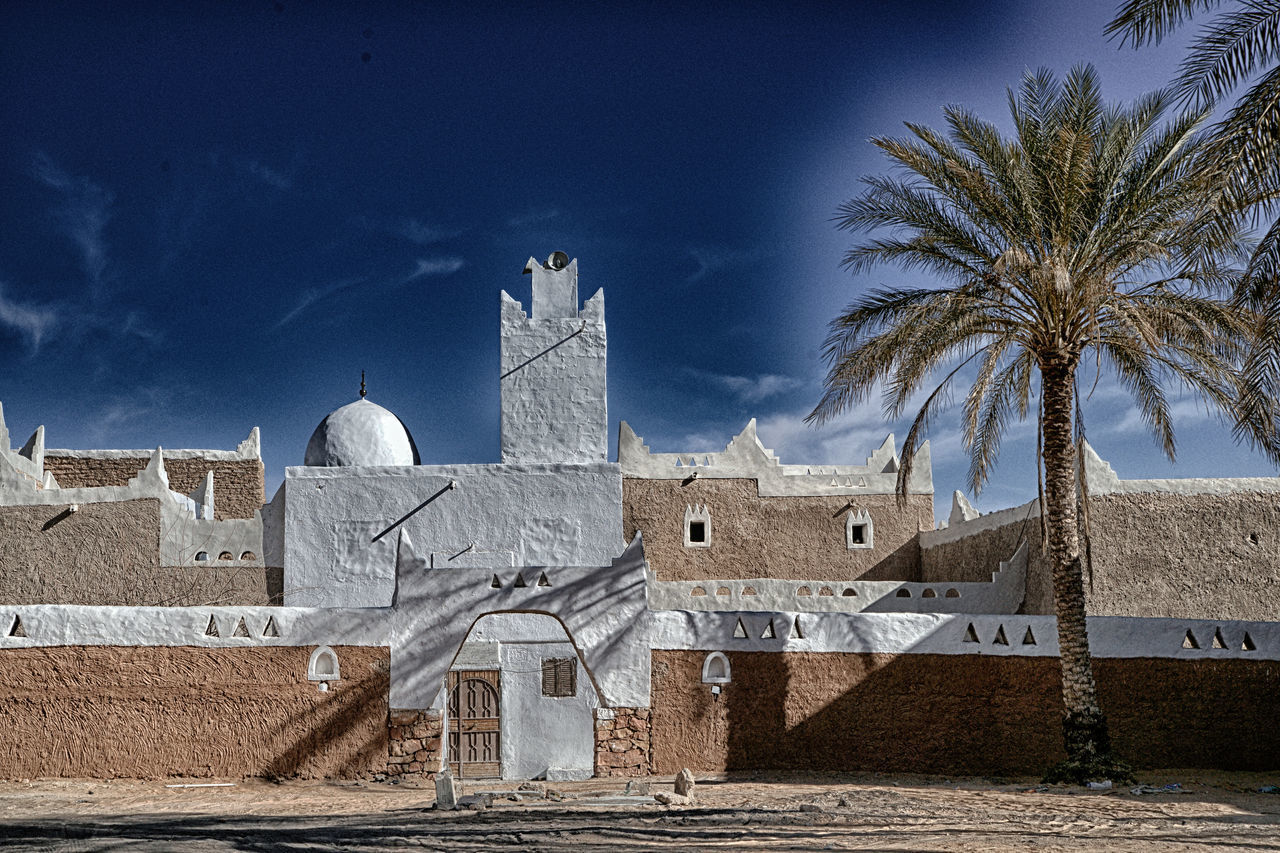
(360, 433)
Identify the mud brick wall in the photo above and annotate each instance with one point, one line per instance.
(623, 742)
(954, 714)
(80, 711)
(772, 537)
(108, 553)
(1161, 555)
(238, 490)
(415, 743)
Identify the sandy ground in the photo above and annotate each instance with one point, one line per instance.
(1212, 811)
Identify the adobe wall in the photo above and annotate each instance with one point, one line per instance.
(970, 714)
(237, 484)
(77, 711)
(109, 553)
(1194, 556)
(792, 537)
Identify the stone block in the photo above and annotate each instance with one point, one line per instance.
(404, 717)
(672, 799)
(410, 745)
(567, 774)
(448, 791)
(684, 782)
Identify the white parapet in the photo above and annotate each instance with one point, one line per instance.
(746, 457)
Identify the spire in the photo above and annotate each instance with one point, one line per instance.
(363, 392)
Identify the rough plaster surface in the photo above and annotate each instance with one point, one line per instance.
(746, 457)
(110, 711)
(756, 536)
(934, 714)
(542, 514)
(1212, 555)
(602, 609)
(553, 367)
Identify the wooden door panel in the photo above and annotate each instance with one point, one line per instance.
(474, 724)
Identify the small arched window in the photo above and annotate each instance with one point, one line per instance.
(715, 669)
(248, 555)
(226, 555)
(202, 556)
(323, 665)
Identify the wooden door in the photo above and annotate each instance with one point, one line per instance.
(474, 726)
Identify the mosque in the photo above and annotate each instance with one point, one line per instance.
(558, 615)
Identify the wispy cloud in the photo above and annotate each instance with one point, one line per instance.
(712, 259)
(33, 324)
(269, 176)
(749, 389)
(312, 295)
(411, 228)
(84, 211)
(533, 217)
(435, 266)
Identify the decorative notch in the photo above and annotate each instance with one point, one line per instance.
(859, 532)
(1248, 645)
(769, 632)
(697, 526)
(971, 634)
(542, 580)
(211, 630)
(241, 629)
(17, 629)
(796, 630)
(740, 631)
(270, 629)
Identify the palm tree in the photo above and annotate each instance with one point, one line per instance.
(1241, 43)
(1082, 240)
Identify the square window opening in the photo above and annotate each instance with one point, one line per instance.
(697, 531)
(560, 677)
(858, 534)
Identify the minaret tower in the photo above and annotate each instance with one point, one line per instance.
(553, 370)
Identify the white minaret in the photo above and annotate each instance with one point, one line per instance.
(553, 370)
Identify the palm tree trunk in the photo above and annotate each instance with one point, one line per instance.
(1084, 727)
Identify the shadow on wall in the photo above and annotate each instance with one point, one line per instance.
(953, 714)
(344, 736)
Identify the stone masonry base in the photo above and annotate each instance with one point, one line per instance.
(622, 742)
(414, 744)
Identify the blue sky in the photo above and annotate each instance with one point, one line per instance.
(217, 214)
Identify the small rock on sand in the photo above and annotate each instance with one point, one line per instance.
(684, 782)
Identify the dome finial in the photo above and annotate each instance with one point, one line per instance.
(362, 391)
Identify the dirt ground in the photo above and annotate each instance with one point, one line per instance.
(1218, 811)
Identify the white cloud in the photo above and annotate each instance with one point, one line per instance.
(269, 176)
(30, 322)
(435, 266)
(312, 295)
(710, 259)
(84, 212)
(533, 217)
(749, 389)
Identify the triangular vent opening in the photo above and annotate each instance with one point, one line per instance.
(1028, 639)
(271, 630)
(18, 629)
(971, 635)
(1001, 639)
(740, 631)
(211, 630)
(519, 581)
(542, 580)
(1248, 644)
(241, 629)
(1218, 642)
(495, 583)
(796, 630)
(769, 633)
(1189, 641)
